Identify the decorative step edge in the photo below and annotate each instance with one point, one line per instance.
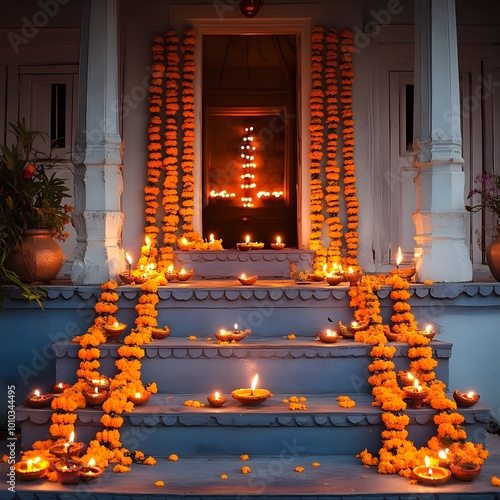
(231, 263)
(179, 348)
(271, 478)
(322, 410)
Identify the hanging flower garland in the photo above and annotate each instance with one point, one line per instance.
(170, 199)
(188, 153)
(316, 129)
(154, 163)
(350, 190)
(403, 320)
(332, 168)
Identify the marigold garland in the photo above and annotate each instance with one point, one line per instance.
(350, 190)
(316, 129)
(332, 168)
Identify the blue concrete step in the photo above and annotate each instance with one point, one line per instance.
(271, 477)
(165, 425)
(181, 366)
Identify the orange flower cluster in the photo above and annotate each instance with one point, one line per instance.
(403, 320)
(188, 153)
(332, 168)
(170, 199)
(155, 152)
(350, 190)
(316, 129)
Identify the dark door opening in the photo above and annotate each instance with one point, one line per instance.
(249, 139)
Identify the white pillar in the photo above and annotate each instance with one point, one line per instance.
(98, 179)
(440, 215)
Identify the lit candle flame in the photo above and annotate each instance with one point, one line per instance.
(278, 240)
(184, 241)
(37, 459)
(470, 394)
(128, 258)
(211, 238)
(148, 241)
(236, 326)
(330, 333)
(91, 463)
(428, 329)
(72, 436)
(37, 393)
(243, 276)
(116, 324)
(399, 257)
(137, 394)
(217, 396)
(351, 270)
(428, 465)
(254, 382)
(247, 239)
(170, 269)
(30, 464)
(60, 385)
(409, 376)
(183, 271)
(443, 454)
(354, 324)
(96, 390)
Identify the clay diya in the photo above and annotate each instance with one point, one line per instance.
(329, 336)
(102, 384)
(216, 400)
(465, 400)
(114, 331)
(433, 476)
(279, 245)
(59, 388)
(247, 280)
(252, 396)
(91, 471)
(95, 397)
(255, 245)
(407, 379)
(160, 333)
(343, 331)
(234, 335)
(352, 277)
(416, 394)
(244, 246)
(37, 400)
(139, 398)
(171, 274)
(465, 472)
(429, 332)
(68, 471)
(31, 469)
(184, 275)
(127, 278)
(334, 279)
(68, 450)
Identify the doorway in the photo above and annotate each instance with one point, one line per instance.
(250, 138)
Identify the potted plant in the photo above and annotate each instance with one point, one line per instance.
(489, 192)
(32, 208)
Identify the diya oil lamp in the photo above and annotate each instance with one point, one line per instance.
(252, 396)
(68, 471)
(329, 336)
(91, 471)
(31, 469)
(244, 246)
(160, 333)
(146, 248)
(59, 388)
(234, 335)
(171, 273)
(433, 476)
(465, 400)
(429, 332)
(334, 279)
(344, 331)
(127, 277)
(102, 384)
(416, 394)
(114, 331)
(407, 378)
(139, 398)
(70, 449)
(37, 400)
(185, 244)
(184, 275)
(247, 280)
(352, 277)
(278, 245)
(216, 400)
(95, 397)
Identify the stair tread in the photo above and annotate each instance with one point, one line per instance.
(319, 407)
(337, 477)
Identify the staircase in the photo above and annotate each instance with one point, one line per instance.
(209, 441)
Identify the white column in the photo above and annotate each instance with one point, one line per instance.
(98, 179)
(440, 215)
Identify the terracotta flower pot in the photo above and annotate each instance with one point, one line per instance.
(493, 255)
(40, 258)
